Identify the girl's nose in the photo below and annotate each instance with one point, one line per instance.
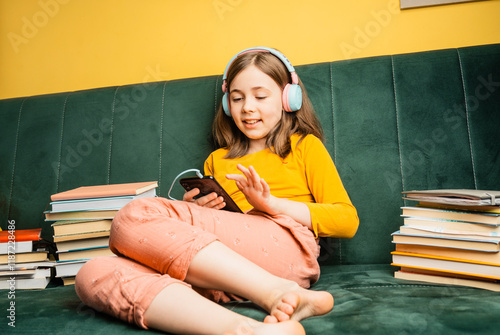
(249, 105)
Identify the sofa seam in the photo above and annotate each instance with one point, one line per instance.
(334, 147)
(333, 116)
(389, 286)
(215, 94)
(396, 109)
(15, 158)
(161, 134)
(111, 129)
(63, 116)
(467, 118)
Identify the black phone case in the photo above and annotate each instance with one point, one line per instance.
(207, 185)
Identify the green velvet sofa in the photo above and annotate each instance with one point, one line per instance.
(413, 121)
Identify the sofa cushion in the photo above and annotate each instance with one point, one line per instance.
(368, 300)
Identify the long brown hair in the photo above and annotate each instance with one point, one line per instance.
(302, 122)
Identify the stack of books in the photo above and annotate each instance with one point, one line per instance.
(82, 221)
(450, 237)
(24, 260)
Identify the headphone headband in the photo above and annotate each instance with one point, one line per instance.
(292, 93)
(284, 60)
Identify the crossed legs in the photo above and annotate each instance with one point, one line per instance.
(181, 310)
(177, 245)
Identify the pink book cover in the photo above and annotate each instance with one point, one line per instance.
(105, 191)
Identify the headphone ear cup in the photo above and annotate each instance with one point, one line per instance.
(292, 97)
(225, 104)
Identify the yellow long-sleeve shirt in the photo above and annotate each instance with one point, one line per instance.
(307, 175)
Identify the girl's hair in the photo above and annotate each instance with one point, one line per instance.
(302, 122)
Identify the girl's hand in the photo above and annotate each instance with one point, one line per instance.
(255, 189)
(210, 200)
(258, 194)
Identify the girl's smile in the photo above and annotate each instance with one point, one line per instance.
(256, 106)
(251, 123)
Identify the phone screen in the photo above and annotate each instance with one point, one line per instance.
(207, 185)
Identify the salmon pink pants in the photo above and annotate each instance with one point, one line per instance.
(155, 240)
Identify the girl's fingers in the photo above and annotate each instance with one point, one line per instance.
(211, 200)
(265, 186)
(189, 195)
(254, 175)
(250, 178)
(239, 179)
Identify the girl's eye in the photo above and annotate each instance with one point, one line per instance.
(261, 97)
(236, 99)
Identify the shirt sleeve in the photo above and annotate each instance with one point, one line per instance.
(332, 213)
(208, 167)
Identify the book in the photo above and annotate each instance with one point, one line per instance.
(20, 235)
(35, 283)
(98, 203)
(17, 247)
(444, 264)
(84, 254)
(477, 256)
(69, 268)
(464, 216)
(27, 266)
(103, 191)
(68, 227)
(27, 272)
(82, 244)
(447, 242)
(38, 272)
(440, 232)
(447, 279)
(80, 236)
(456, 197)
(37, 279)
(68, 280)
(27, 257)
(485, 209)
(79, 215)
(471, 227)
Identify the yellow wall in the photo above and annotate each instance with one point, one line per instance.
(64, 45)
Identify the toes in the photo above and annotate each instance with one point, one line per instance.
(291, 299)
(270, 319)
(281, 316)
(286, 308)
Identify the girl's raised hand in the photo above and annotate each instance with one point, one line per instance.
(255, 189)
(210, 200)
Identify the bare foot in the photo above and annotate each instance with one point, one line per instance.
(290, 327)
(298, 304)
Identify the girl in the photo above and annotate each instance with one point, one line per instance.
(177, 259)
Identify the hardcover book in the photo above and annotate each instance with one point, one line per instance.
(105, 191)
(456, 196)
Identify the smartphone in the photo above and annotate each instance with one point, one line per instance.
(207, 185)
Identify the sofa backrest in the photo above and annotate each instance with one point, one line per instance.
(392, 123)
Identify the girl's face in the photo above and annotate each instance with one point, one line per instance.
(255, 101)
